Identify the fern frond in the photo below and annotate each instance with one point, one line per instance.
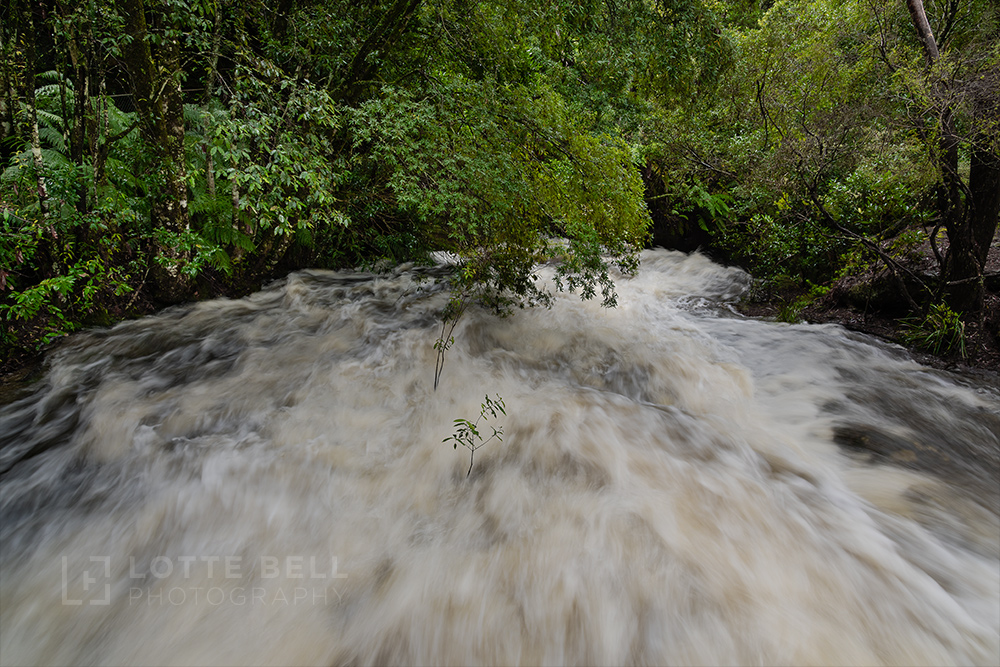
(50, 90)
(49, 119)
(117, 119)
(53, 75)
(52, 137)
(24, 160)
(53, 158)
(194, 115)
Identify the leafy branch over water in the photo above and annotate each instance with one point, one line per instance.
(467, 433)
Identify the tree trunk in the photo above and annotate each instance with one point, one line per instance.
(172, 113)
(210, 76)
(8, 77)
(984, 169)
(93, 127)
(966, 220)
(81, 97)
(962, 272)
(984, 214)
(234, 194)
(37, 162)
(81, 108)
(391, 26)
(51, 246)
(923, 28)
(159, 103)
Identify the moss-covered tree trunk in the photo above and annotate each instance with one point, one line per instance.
(156, 88)
(8, 80)
(76, 27)
(50, 238)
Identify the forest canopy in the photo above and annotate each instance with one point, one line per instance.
(156, 151)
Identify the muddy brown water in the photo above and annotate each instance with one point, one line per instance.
(263, 481)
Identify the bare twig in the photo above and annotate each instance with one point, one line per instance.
(452, 314)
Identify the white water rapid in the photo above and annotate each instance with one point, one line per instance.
(263, 481)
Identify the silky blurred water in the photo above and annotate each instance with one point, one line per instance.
(264, 481)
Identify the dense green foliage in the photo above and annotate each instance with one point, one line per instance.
(161, 150)
(835, 143)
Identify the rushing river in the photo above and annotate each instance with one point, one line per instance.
(264, 481)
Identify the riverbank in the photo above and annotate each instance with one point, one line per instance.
(21, 368)
(872, 303)
(982, 346)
